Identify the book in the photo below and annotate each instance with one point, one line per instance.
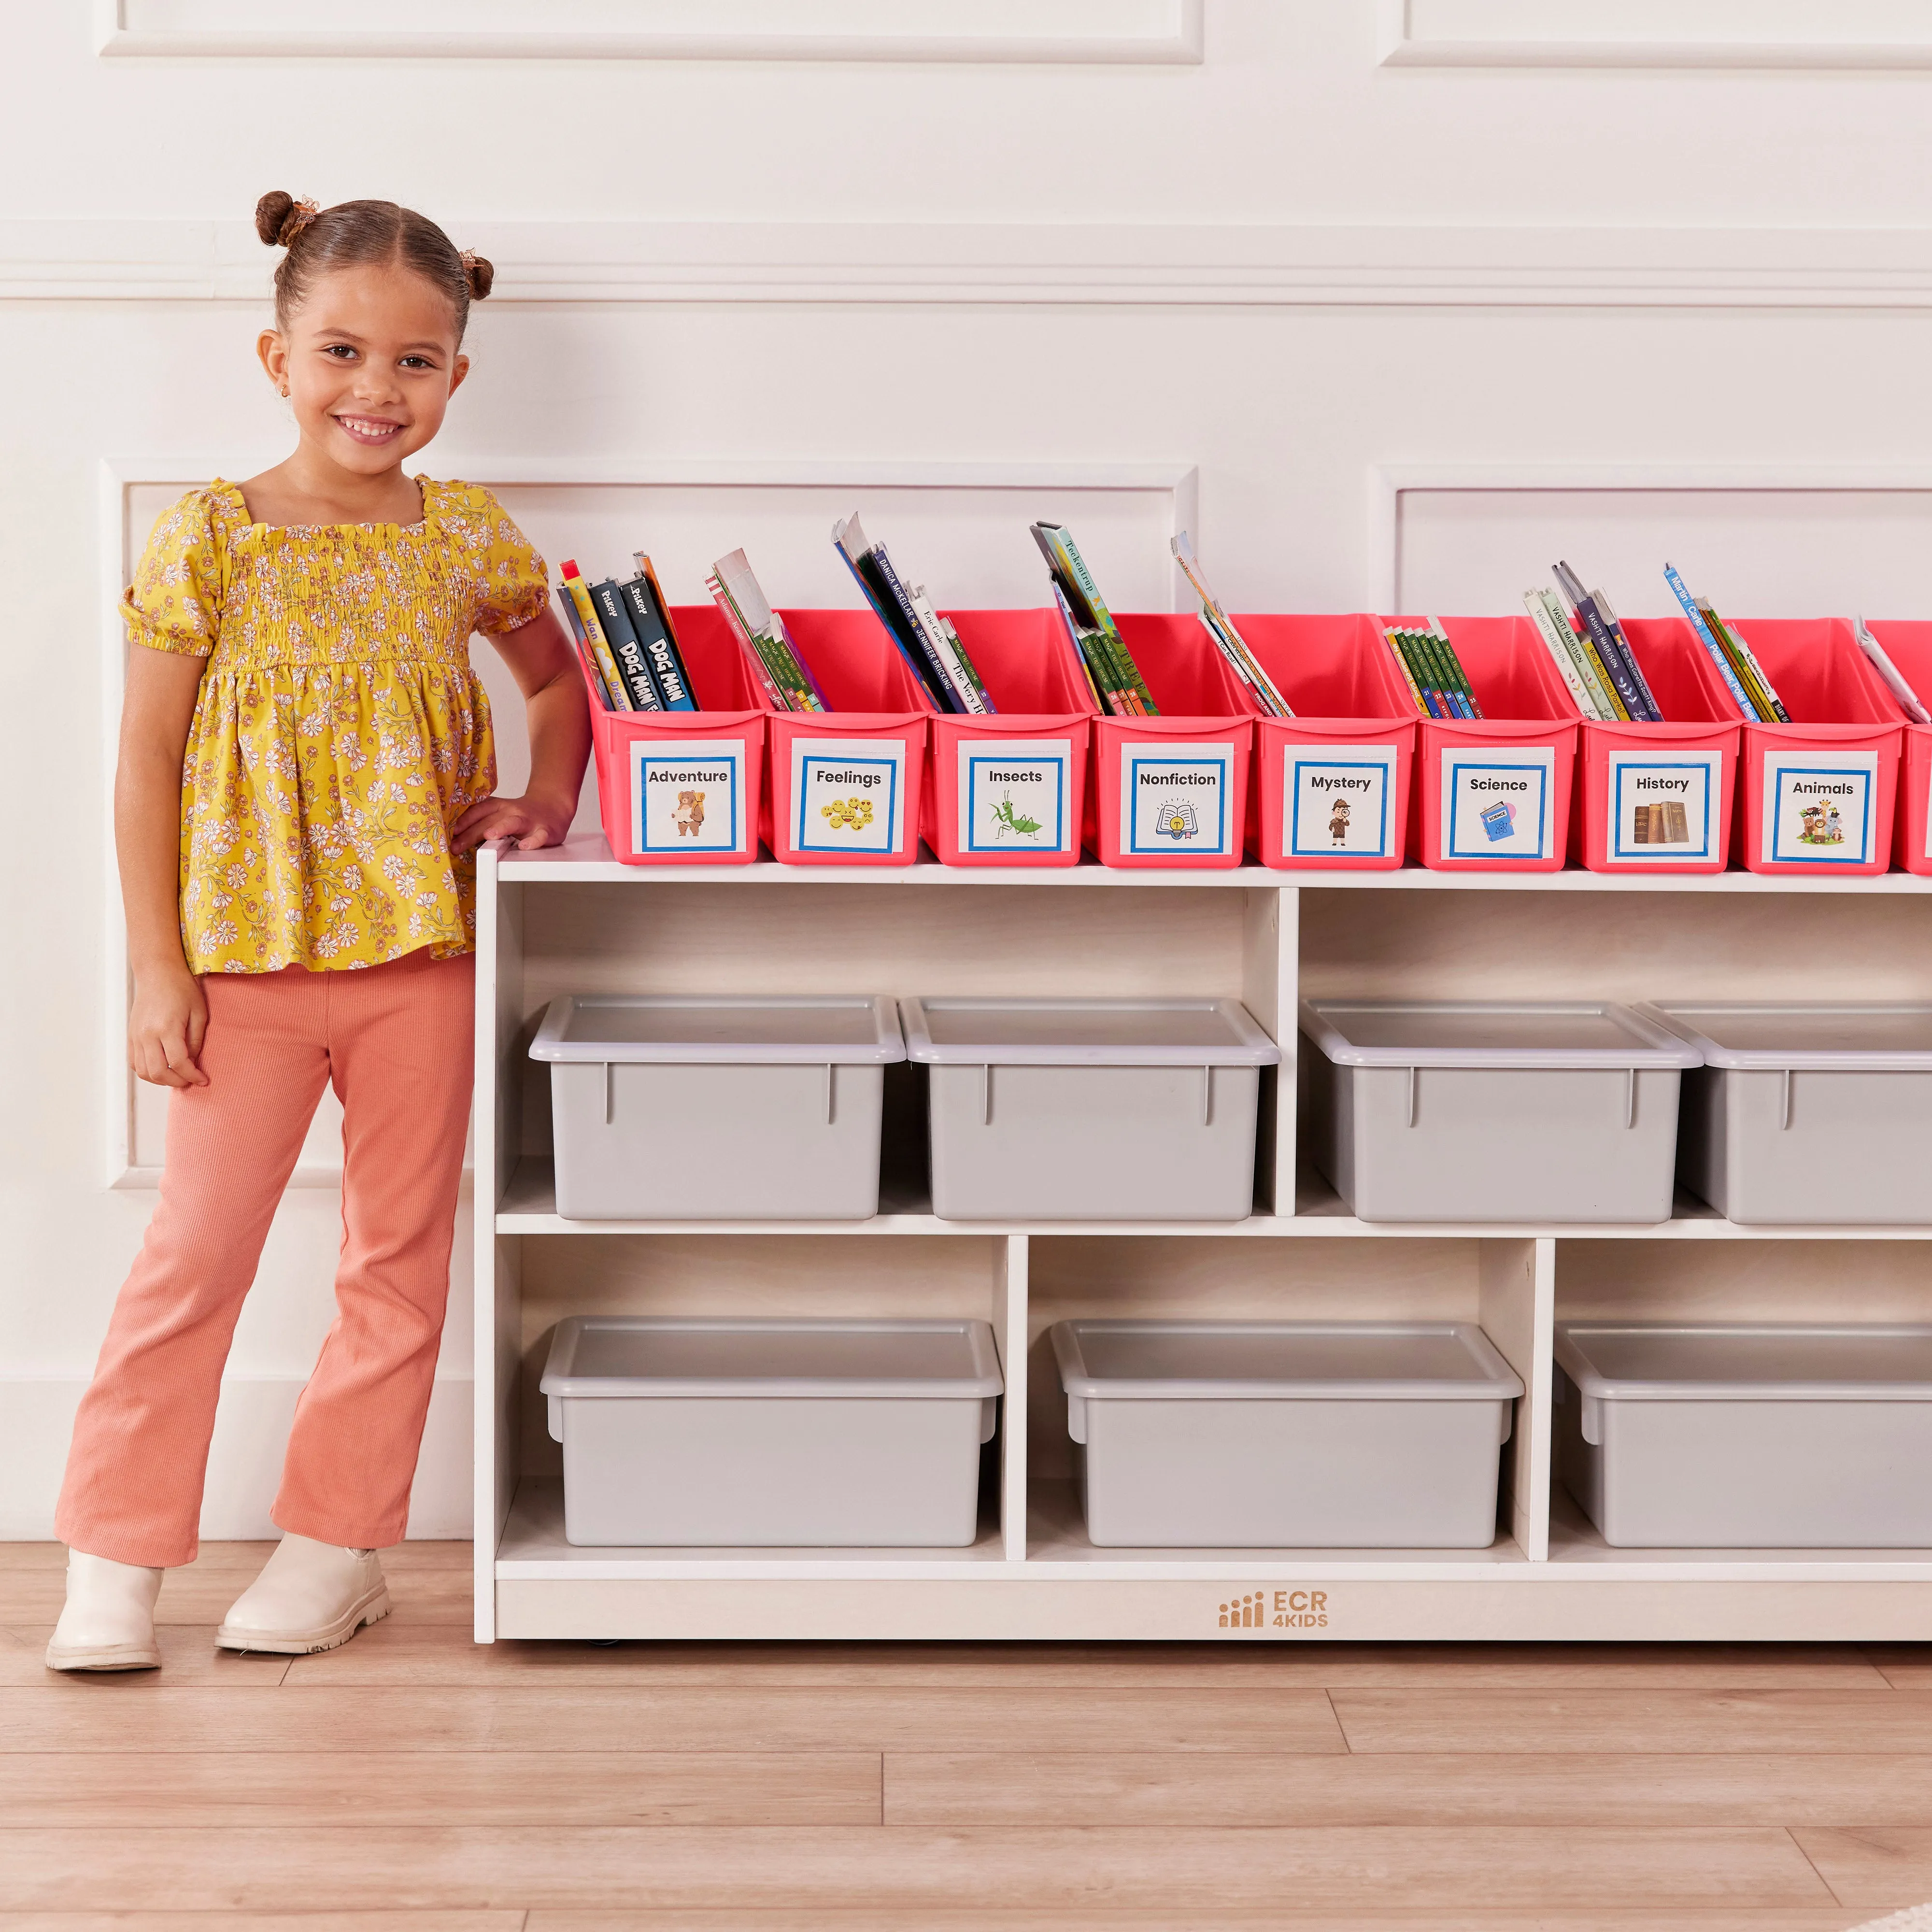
(953, 660)
(1078, 651)
(1668, 823)
(1558, 646)
(1909, 700)
(891, 604)
(593, 677)
(650, 618)
(1392, 638)
(1229, 640)
(1715, 651)
(1770, 709)
(762, 635)
(1629, 658)
(1465, 691)
(631, 666)
(1429, 668)
(1610, 659)
(579, 593)
(1122, 686)
(1578, 645)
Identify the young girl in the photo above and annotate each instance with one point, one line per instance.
(305, 772)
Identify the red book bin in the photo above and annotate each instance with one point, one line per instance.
(1909, 647)
(1010, 788)
(686, 788)
(1494, 791)
(847, 783)
(1690, 761)
(1172, 791)
(1333, 780)
(1819, 791)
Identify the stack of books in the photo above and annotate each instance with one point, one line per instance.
(927, 641)
(776, 667)
(1227, 640)
(1112, 678)
(1587, 644)
(626, 641)
(1433, 671)
(1751, 692)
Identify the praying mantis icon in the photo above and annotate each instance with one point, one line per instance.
(1008, 820)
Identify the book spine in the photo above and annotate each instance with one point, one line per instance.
(964, 686)
(600, 646)
(1611, 659)
(593, 677)
(1701, 630)
(1599, 686)
(1880, 660)
(667, 673)
(1247, 667)
(787, 656)
(971, 670)
(1559, 655)
(1421, 673)
(1748, 659)
(624, 647)
(934, 675)
(1465, 691)
(1089, 668)
(1587, 643)
(1393, 639)
(1435, 673)
(662, 611)
(1653, 711)
(761, 673)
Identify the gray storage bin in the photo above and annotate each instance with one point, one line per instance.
(1091, 1110)
(705, 1108)
(1503, 1110)
(772, 1433)
(1286, 1434)
(1807, 1113)
(1747, 1436)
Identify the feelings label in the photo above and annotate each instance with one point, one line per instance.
(1339, 802)
(1016, 796)
(1498, 805)
(847, 795)
(1177, 803)
(687, 795)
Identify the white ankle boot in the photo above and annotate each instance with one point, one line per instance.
(108, 1621)
(310, 1596)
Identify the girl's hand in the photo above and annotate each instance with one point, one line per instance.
(530, 821)
(166, 1027)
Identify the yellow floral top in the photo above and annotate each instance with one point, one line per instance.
(340, 732)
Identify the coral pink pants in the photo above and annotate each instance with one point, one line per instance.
(396, 1042)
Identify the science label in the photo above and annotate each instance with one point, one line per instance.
(1498, 805)
(1339, 802)
(687, 795)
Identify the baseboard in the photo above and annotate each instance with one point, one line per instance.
(245, 1462)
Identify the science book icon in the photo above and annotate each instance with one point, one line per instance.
(1499, 819)
(1175, 819)
(849, 814)
(1821, 825)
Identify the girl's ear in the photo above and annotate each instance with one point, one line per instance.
(458, 369)
(275, 354)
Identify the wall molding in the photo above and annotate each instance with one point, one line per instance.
(955, 32)
(1823, 35)
(1091, 265)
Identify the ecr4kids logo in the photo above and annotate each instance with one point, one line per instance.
(1277, 1609)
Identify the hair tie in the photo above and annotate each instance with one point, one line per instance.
(299, 217)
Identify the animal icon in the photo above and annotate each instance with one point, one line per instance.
(1821, 824)
(1338, 821)
(1007, 819)
(1174, 818)
(689, 816)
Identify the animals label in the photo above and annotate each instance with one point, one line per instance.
(687, 795)
(1015, 795)
(1339, 802)
(1818, 807)
(1498, 805)
(848, 795)
(1177, 804)
(1663, 811)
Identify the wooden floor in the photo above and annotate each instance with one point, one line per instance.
(414, 1782)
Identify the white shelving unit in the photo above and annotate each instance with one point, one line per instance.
(572, 919)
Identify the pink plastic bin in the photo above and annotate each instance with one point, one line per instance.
(1010, 789)
(847, 783)
(1909, 647)
(1172, 791)
(1351, 742)
(1493, 793)
(1691, 760)
(1833, 770)
(686, 788)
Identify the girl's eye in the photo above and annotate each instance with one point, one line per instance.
(418, 362)
(341, 351)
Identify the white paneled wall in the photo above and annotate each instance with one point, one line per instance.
(1390, 303)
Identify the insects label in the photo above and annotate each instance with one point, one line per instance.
(848, 796)
(1818, 809)
(1339, 802)
(1015, 797)
(1499, 806)
(1177, 803)
(1662, 811)
(687, 795)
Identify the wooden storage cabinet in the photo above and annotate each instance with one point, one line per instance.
(571, 919)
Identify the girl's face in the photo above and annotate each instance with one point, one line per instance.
(370, 362)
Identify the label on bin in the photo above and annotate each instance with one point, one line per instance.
(1818, 807)
(847, 796)
(1497, 805)
(687, 795)
(1662, 811)
(1338, 802)
(1014, 795)
(1177, 802)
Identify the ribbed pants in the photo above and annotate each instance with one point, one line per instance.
(396, 1042)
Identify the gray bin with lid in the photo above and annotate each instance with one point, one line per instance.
(1747, 1436)
(1091, 1110)
(667, 1108)
(1807, 1113)
(1503, 1110)
(772, 1434)
(1286, 1434)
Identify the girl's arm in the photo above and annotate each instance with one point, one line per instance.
(544, 663)
(169, 1014)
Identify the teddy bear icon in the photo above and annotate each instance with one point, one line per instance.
(689, 816)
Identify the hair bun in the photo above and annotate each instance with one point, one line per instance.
(280, 217)
(481, 272)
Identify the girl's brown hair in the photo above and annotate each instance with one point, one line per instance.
(352, 232)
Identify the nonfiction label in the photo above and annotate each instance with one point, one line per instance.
(848, 795)
(1662, 811)
(687, 795)
(1498, 805)
(1818, 808)
(1176, 803)
(1014, 795)
(1338, 802)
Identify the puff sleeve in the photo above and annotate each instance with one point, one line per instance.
(512, 581)
(174, 603)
